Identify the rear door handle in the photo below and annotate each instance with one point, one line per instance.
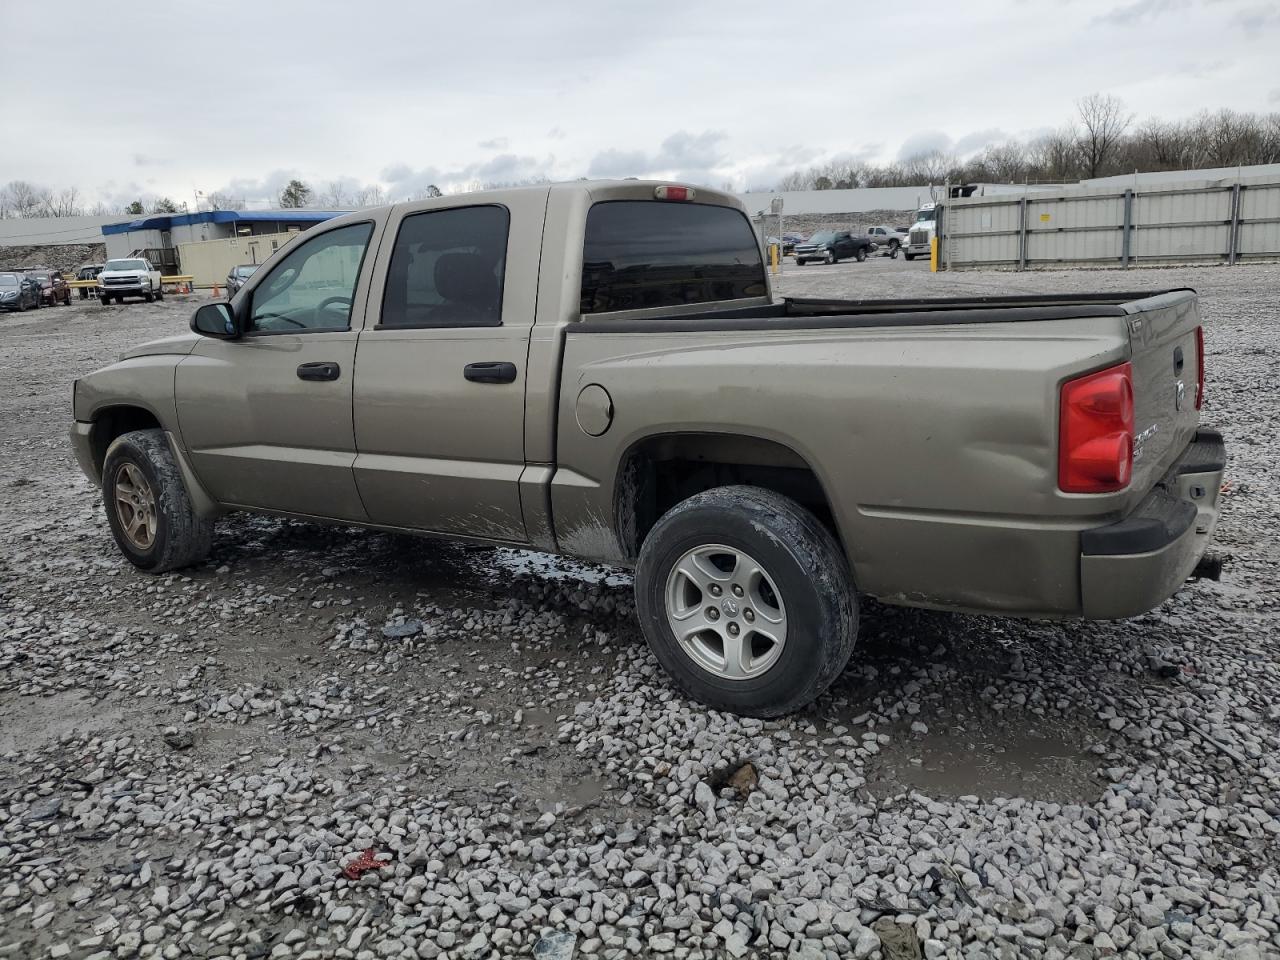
(492, 371)
(323, 370)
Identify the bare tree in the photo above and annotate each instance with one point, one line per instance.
(22, 199)
(221, 200)
(1102, 123)
(371, 196)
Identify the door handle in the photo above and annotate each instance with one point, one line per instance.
(323, 370)
(493, 371)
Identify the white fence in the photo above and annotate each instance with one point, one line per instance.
(1224, 221)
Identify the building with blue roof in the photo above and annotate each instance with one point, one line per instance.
(159, 236)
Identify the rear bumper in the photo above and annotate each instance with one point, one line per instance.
(1135, 564)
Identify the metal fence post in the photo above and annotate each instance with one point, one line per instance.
(1022, 234)
(1233, 235)
(1128, 228)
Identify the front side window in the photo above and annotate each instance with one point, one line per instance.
(647, 253)
(447, 269)
(312, 288)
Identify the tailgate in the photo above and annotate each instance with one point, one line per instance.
(1163, 338)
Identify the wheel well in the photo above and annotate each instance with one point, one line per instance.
(113, 422)
(659, 472)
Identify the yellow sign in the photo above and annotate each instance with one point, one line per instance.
(1044, 218)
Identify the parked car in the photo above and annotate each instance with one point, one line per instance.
(888, 240)
(53, 288)
(129, 277)
(18, 291)
(548, 367)
(832, 246)
(237, 277)
(89, 271)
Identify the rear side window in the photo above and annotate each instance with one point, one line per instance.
(447, 269)
(645, 253)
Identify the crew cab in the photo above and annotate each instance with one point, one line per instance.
(599, 369)
(129, 277)
(832, 246)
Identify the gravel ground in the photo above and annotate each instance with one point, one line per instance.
(328, 742)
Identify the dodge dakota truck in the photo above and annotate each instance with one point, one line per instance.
(599, 369)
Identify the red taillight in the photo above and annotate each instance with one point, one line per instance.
(673, 193)
(1095, 431)
(1199, 367)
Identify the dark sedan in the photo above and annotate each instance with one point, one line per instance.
(18, 291)
(239, 276)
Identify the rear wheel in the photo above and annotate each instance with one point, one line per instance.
(746, 600)
(148, 509)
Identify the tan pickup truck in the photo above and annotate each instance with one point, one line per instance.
(599, 369)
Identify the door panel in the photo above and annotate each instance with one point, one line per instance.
(266, 418)
(259, 436)
(437, 451)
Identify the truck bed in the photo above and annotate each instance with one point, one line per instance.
(827, 314)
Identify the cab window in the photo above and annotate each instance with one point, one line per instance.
(643, 253)
(447, 269)
(312, 288)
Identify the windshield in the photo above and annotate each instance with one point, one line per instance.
(126, 265)
(8, 280)
(927, 216)
(246, 271)
(825, 237)
(39, 275)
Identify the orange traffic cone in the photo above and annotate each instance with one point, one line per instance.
(217, 294)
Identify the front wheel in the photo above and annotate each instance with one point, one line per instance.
(148, 509)
(861, 255)
(746, 600)
(830, 258)
(104, 299)
(908, 255)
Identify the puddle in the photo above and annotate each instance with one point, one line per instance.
(1040, 763)
(564, 792)
(32, 722)
(551, 567)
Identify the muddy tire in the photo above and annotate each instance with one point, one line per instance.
(747, 601)
(147, 505)
(861, 255)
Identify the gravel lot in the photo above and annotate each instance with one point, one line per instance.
(188, 762)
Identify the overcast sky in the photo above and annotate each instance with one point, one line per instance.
(151, 100)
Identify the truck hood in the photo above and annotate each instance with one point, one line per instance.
(179, 345)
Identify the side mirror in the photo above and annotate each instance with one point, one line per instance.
(216, 320)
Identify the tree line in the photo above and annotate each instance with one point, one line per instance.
(1103, 139)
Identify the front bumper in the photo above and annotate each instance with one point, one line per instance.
(1135, 564)
(81, 434)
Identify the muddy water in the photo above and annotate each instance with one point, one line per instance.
(1044, 762)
